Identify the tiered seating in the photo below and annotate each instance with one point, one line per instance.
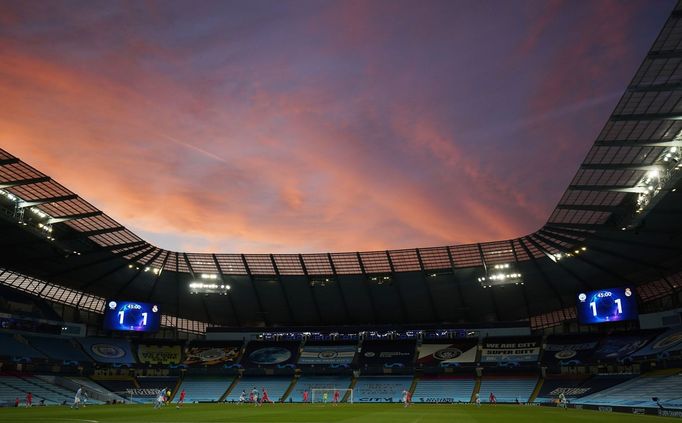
(58, 348)
(381, 388)
(150, 386)
(204, 389)
(570, 386)
(41, 390)
(14, 346)
(8, 393)
(508, 389)
(318, 382)
(94, 388)
(599, 383)
(444, 389)
(276, 387)
(18, 303)
(638, 392)
(118, 386)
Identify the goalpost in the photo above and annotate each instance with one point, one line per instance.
(345, 395)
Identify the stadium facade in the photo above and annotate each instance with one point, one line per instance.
(618, 223)
(446, 322)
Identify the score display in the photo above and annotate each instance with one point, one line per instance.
(131, 316)
(607, 305)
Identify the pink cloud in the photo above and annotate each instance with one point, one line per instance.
(251, 152)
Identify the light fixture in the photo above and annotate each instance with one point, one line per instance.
(208, 288)
(500, 276)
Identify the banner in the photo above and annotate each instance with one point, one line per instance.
(211, 355)
(159, 354)
(665, 343)
(569, 352)
(107, 350)
(388, 354)
(447, 354)
(271, 354)
(617, 347)
(510, 351)
(327, 354)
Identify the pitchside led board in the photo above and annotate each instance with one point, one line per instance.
(607, 305)
(131, 316)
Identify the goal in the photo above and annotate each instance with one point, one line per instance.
(318, 395)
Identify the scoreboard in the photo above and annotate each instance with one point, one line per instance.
(131, 316)
(607, 305)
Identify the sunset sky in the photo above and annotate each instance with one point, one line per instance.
(308, 126)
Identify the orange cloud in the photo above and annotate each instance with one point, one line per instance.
(227, 137)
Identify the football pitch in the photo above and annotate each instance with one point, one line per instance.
(293, 413)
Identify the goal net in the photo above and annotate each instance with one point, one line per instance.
(326, 395)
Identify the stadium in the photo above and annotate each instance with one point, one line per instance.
(577, 320)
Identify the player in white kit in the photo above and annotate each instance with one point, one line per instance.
(77, 399)
(160, 398)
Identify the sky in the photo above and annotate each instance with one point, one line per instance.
(312, 126)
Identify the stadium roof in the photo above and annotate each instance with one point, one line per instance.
(618, 223)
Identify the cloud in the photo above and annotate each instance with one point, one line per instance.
(333, 127)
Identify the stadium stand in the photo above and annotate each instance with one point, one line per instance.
(60, 349)
(638, 392)
(9, 394)
(317, 382)
(381, 388)
(20, 304)
(601, 382)
(570, 386)
(204, 389)
(276, 387)
(151, 385)
(17, 348)
(120, 386)
(94, 389)
(617, 223)
(444, 388)
(507, 388)
(41, 390)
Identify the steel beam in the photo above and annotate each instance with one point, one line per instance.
(261, 311)
(39, 201)
(20, 182)
(68, 218)
(429, 292)
(639, 143)
(310, 289)
(5, 162)
(281, 288)
(229, 297)
(367, 288)
(338, 285)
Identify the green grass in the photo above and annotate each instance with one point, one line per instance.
(294, 413)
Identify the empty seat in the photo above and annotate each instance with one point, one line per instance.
(638, 392)
(58, 348)
(206, 389)
(444, 389)
(318, 382)
(507, 389)
(381, 388)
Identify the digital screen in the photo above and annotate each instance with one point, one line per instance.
(607, 305)
(131, 316)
